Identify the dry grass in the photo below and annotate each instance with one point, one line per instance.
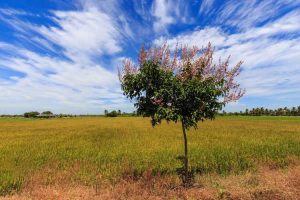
(264, 184)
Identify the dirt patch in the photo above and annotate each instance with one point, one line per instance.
(264, 184)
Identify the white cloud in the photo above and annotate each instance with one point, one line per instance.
(14, 12)
(246, 14)
(271, 64)
(83, 34)
(162, 12)
(72, 82)
(199, 37)
(206, 6)
(64, 86)
(167, 12)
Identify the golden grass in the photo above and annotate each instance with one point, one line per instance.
(85, 151)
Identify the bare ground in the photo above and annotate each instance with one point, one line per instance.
(264, 184)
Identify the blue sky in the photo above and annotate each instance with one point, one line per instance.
(63, 55)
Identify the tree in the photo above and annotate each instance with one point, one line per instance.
(247, 111)
(31, 114)
(105, 112)
(119, 112)
(294, 111)
(112, 114)
(47, 113)
(182, 86)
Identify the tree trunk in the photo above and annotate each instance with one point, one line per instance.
(186, 163)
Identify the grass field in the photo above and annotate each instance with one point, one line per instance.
(86, 150)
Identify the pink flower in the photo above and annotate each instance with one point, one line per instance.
(200, 63)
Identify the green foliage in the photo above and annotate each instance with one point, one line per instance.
(267, 112)
(112, 114)
(9, 183)
(47, 113)
(31, 114)
(160, 94)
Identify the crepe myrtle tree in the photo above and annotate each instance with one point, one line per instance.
(183, 85)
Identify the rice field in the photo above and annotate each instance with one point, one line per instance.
(86, 150)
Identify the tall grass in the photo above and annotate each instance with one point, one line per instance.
(88, 149)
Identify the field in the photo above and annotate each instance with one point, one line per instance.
(105, 151)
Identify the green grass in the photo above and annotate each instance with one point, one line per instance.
(86, 149)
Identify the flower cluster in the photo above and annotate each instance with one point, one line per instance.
(187, 63)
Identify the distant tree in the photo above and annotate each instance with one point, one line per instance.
(105, 112)
(112, 114)
(183, 86)
(224, 112)
(31, 114)
(119, 112)
(280, 111)
(256, 111)
(47, 113)
(267, 111)
(261, 111)
(285, 111)
(294, 111)
(134, 113)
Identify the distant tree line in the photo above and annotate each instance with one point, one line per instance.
(6, 115)
(49, 114)
(117, 113)
(35, 114)
(259, 111)
(294, 111)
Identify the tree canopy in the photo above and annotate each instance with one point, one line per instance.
(183, 84)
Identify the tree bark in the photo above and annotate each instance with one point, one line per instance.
(186, 161)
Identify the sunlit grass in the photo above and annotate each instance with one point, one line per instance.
(89, 148)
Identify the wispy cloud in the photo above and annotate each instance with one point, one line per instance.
(245, 14)
(162, 11)
(13, 12)
(206, 6)
(168, 12)
(271, 58)
(73, 81)
(83, 33)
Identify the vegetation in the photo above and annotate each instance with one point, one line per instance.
(112, 114)
(119, 113)
(293, 111)
(31, 114)
(35, 114)
(268, 112)
(47, 113)
(87, 150)
(183, 86)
